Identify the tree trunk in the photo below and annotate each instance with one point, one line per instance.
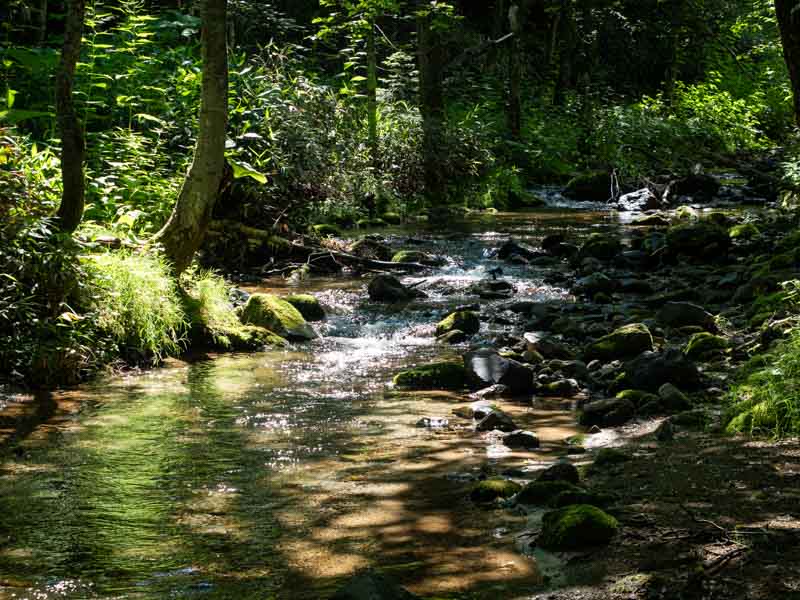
(372, 95)
(73, 147)
(41, 23)
(789, 24)
(431, 74)
(183, 233)
(515, 74)
(566, 52)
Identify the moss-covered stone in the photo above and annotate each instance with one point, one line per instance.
(307, 305)
(594, 186)
(410, 256)
(704, 344)
(576, 526)
(370, 223)
(543, 493)
(326, 230)
(392, 218)
(744, 231)
(624, 342)
(490, 490)
(569, 497)
(435, 376)
(368, 248)
(600, 246)
(250, 337)
(638, 397)
(610, 456)
(465, 320)
(277, 315)
(700, 240)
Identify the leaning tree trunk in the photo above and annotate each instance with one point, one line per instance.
(789, 24)
(73, 146)
(431, 74)
(185, 230)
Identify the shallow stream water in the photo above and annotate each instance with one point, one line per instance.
(277, 474)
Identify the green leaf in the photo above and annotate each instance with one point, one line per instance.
(17, 116)
(243, 169)
(10, 97)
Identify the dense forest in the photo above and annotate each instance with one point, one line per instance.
(557, 241)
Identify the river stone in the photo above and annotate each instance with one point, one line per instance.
(496, 420)
(625, 342)
(651, 370)
(487, 367)
(547, 346)
(570, 368)
(594, 186)
(600, 246)
(492, 289)
(698, 240)
(432, 423)
(371, 585)
(385, 288)
(521, 439)
(411, 256)
(497, 390)
(512, 248)
(700, 187)
(607, 413)
(576, 526)
(551, 242)
(435, 376)
(681, 314)
(702, 345)
(665, 432)
(463, 320)
(640, 200)
(368, 248)
(277, 315)
(308, 306)
(654, 220)
(672, 398)
(493, 488)
(560, 388)
(542, 493)
(594, 284)
(560, 471)
(455, 336)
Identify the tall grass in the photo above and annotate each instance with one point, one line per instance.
(137, 303)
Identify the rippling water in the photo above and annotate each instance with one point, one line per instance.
(275, 474)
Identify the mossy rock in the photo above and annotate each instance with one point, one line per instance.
(490, 490)
(392, 218)
(609, 456)
(638, 397)
(544, 493)
(576, 526)
(307, 305)
(465, 320)
(370, 223)
(569, 497)
(704, 344)
(410, 256)
(625, 342)
(600, 246)
(249, 337)
(435, 376)
(368, 248)
(326, 230)
(744, 231)
(699, 240)
(593, 186)
(277, 315)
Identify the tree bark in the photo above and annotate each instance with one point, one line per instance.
(515, 74)
(431, 74)
(185, 230)
(73, 147)
(566, 52)
(372, 95)
(789, 24)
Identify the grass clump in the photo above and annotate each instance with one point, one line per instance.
(137, 304)
(766, 401)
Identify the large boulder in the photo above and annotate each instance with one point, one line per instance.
(307, 305)
(594, 186)
(700, 187)
(435, 376)
(640, 200)
(607, 413)
(625, 342)
(698, 240)
(600, 246)
(385, 288)
(651, 370)
(277, 315)
(560, 471)
(486, 367)
(576, 526)
(371, 585)
(463, 320)
(542, 493)
(681, 314)
(369, 248)
(496, 420)
(703, 345)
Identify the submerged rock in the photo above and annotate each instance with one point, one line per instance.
(463, 320)
(371, 585)
(308, 306)
(487, 367)
(625, 342)
(277, 315)
(576, 526)
(435, 376)
(385, 288)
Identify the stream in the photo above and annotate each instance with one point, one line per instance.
(278, 474)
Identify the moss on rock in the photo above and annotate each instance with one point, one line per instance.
(489, 490)
(277, 315)
(307, 305)
(600, 246)
(625, 342)
(435, 376)
(410, 256)
(543, 493)
(326, 230)
(638, 397)
(464, 320)
(704, 344)
(576, 526)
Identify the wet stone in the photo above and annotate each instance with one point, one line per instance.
(496, 420)
(432, 423)
(521, 439)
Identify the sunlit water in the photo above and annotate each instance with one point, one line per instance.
(276, 474)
